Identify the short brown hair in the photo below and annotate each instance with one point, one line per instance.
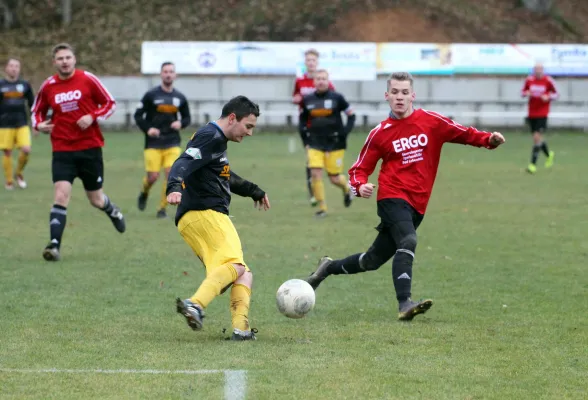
(313, 52)
(321, 71)
(61, 46)
(400, 76)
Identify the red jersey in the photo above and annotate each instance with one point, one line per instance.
(410, 149)
(537, 87)
(305, 86)
(70, 99)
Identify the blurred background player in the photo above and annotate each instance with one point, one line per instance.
(157, 116)
(409, 143)
(201, 182)
(78, 100)
(16, 97)
(302, 87)
(325, 137)
(541, 90)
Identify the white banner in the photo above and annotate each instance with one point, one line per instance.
(191, 57)
(416, 58)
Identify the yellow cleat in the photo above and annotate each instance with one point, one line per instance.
(532, 168)
(549, 161)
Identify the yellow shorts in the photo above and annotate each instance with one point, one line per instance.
(331, 161)
(15, 137)
(156, 159)
(213, 237)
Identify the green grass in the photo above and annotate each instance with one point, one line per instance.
(503, 255)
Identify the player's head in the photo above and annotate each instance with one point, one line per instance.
(12, 68)
(238, 118)
(538, 70)
(311, 57)
(168, 73)
(321, 80)
(64, 59)
(400, 94)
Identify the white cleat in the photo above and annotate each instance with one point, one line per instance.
(21, 182)
(8, 186)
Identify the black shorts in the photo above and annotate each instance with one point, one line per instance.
(538, 124)
(392, 211)
(84, 164)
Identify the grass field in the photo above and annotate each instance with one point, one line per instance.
(503, 255)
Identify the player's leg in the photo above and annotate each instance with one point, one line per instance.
(23, 142)
(316, 163)
(90, 169)
(63, 171)
(334, 167)
(381, 250)
(153, 162)
(549, 154)
(169, 157)
(7, 138)
(535, 125)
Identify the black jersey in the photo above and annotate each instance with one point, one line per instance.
(158, 109)
(14, 97)
(203, 174)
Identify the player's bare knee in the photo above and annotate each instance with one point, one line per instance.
(408, 242)
(334, 179)
(7, 152)
(62, 194)
(25, 149)
(246, 279)
(316, 173)
(240, 268)
(96, 198)
(152, 177)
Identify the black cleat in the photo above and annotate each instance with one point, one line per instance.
(239, 335)
(347, 199)
(320, 214)
(193, 313)
(409, 309)
(142, 201)
(118, 220)
(161, 214)
(321, 273)
(51, 253)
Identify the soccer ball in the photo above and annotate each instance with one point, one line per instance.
(295, 298)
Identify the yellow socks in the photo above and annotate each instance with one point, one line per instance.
(215, 281)
(240, 299)
(146, 185)
(318, 190)
(342, 183)
(163, 201)
(7, 165)
(23, 158)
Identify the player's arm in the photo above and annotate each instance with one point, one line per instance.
(39, 111)
(29, 95)
(366, 162)
(453, 132)
(348, 110)
(526, 92)
(102, 97)
(552, 90)
(296, 95)
(245, 188)
(185, 113)
(198, 153)
(144, 105)
(303, 123)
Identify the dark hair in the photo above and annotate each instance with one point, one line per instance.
(61, 46)
(241, 106)
(167, 63)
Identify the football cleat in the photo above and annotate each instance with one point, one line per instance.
(347, 199)
(313, 201)
(117, 218)
(193, 313)
(239, 335)
(320, 214)
(409, 309)
(321, 273)
(161, 214)
(9, 186)
(51, 253)
(20, 181)
(142, 201)
(532, 168)
(549, 161)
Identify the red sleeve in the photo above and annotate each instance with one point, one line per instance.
(40, 106)
(453, 132)
(552, 90)
(296, 89)
(366, 162)
(526, 87)
(331, 86)
(101, 96)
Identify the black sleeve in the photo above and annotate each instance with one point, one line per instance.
(30, 96)
(185, 113)
(140, 112)
(303, 123)
(344, 106)
(198, 153)
(245, 188)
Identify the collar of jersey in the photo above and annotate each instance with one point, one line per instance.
(392, 116)
(218, 128)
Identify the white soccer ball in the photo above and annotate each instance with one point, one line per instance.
(295, 298)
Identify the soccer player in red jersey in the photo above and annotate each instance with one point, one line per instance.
(409, 144)
(541, 90)
(303, 87)
(78, 100)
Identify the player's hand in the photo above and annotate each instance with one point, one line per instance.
(153, 132)
(177, 125)
(526, 93)
(262, 204)
(297, 98)
(496, 139)
(85, 121)
(45, 126)
(366, 190)
(545, 97)
(174, 198)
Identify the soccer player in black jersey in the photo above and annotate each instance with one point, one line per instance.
(200, 183)
(16, 96)
(157, 116)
